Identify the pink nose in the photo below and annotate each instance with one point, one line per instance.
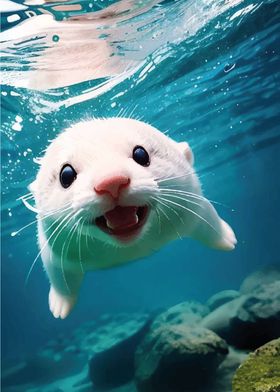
(112, 185)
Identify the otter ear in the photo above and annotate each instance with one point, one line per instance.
(186, 150)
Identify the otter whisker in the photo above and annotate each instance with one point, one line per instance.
(159, 199)
(66, 207)
(183, 194)
(29, 206)
(127, 112)
(69, 237)
(192, 212)
(163, 179)
(26, 195)
(75, 227)
(159, 220)
(44, 246)
(25, 198)
(14, 233)
(180, 191)
(174, 185)
(55, 222)
(80, 239)
(167, 217)
(182, 198)
(87, 235)
(193, 195)
(91, 235)
(121, 113)
(130, 115)
(138, 117)
(158, 216)
(61, 229)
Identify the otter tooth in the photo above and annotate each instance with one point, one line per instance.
(108, 224)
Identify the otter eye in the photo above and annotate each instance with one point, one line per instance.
(141, 156)
(67, 176)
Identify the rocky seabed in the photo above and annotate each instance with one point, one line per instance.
(229, 344)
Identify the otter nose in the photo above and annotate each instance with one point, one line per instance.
(112, 185)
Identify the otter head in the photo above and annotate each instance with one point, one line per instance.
(105, 178)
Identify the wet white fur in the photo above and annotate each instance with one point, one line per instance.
(99, 149)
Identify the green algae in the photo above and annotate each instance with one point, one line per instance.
(261, 370)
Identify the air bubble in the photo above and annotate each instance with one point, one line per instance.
(16, 127)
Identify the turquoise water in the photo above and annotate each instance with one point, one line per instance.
(208, 72)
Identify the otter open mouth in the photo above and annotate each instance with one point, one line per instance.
(123, 222)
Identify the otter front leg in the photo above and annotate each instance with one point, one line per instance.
(65, 282)
(213, 231)
(64, 289)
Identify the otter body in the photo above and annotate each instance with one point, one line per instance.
(111, 191)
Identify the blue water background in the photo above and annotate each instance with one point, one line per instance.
(219, 90)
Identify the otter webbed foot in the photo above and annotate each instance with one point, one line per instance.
(213, 231)
(60, 305)
(228, 240)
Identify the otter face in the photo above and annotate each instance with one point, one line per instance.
(103, 177)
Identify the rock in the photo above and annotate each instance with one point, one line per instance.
(41, 369)
(115, 366)
(268, 274)
(107, 332)
(62, 364)
(261, 370)
(112, 362)
(175, 358)
(221, 298)
(226, 371)
(250, 320)
(183, 313)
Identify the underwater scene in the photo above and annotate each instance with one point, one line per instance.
(140, 185)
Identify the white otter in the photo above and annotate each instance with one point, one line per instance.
(111, 191)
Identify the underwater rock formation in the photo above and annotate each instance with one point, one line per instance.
(221, 298)
(40, 370)
(110, 344)
(175, 358)
(267, 274)
(183, 313)
(225, 372)
(115, 366)
(109, 332)
(67, 357)
(189, 347)
(249, 321)
(261, 370)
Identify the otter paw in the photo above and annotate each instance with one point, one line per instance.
(60, 305)
(228, 240)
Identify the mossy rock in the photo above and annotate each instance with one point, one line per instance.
(261, 370)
